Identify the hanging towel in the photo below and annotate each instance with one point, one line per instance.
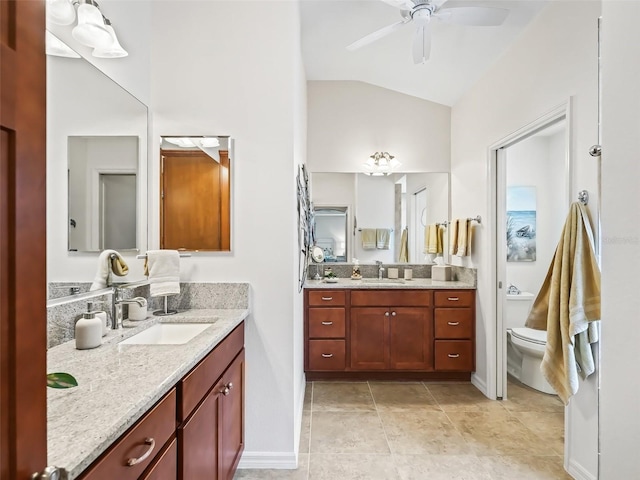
(404, 246)
(431, 238)
(465, 232)
(107, 265)
(568, 306)
(440, 240)
(453, 237)
(163, 269)
(368, 237)
(383, 235)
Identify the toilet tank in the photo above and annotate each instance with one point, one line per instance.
(517, 308)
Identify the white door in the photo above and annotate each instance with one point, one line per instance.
(117, 211)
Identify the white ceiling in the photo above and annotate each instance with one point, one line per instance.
(459, 54)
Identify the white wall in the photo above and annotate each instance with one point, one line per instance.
(234, 68)
(349, 121)
(539, 162)
(620, 390)
(554, 59)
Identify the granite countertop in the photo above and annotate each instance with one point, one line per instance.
(117, 384)
(387, 283)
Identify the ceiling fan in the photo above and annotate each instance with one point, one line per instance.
(420, 12)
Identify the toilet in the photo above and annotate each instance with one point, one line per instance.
(525, 346)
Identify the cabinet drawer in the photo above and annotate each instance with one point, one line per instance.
(326, 322)
(391, 298)
(326, 355)
(149, 434)
(454, 298)
(166, 467)
(454, 355)
(326, 298)
(453, 322)
(195, 385)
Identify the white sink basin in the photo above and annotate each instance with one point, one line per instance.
(167, 334)
(383, 281)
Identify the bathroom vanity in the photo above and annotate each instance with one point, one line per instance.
(419, 330)
(146, 411)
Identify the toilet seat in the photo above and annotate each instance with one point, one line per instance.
(526, 334)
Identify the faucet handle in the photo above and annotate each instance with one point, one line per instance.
(379, 263)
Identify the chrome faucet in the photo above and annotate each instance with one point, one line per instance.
(116, 307)
(380, 269)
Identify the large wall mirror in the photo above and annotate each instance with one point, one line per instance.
(195, 193)
(348, 204)
(96, 169)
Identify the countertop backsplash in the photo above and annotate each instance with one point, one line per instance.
(61, 319)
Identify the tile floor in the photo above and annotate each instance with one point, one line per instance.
(420, 431)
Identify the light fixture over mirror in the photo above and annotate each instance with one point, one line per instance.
(380, 164)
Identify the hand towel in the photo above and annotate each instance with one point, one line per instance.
(568, 306)
(465, 231)
(368, 237)
(453, 237)
(163, 268)
(404, 246)
(440, 240)
(107, 265)
(383, 235)
(431, 239)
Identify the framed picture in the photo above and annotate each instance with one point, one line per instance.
(521, 224)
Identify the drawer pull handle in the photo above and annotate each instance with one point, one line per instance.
(454, 355)
(453, 324)
(327, 323)
(327, 299)
(134, 461)
(327, 355)
(453, 299)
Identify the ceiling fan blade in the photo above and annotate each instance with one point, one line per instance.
(473, 16)
(403, 4)
(383, 32)
(422, 44)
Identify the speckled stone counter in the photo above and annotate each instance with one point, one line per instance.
(119, 383)
(371, 283)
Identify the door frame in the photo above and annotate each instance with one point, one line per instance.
(497, 345)
(95, 211)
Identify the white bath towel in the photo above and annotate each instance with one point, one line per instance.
(106, 266)
(383, 235)
(163, 268)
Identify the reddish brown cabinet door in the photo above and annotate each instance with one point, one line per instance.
(410, 339)
(166, 466)
(369, 338)
(231, 439)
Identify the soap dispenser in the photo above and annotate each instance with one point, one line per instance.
(88, 330)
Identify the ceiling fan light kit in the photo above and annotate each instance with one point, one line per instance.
(421, 12)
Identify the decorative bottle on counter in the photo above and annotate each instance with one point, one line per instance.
(89, 330)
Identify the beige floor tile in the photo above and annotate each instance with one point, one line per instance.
(498, 433)
(421, 432)
(305, 432)
(440, 467)
(462, 398)
(342, 397)
(307, 396)
(352, 467)
(398, 397)
(347, 432)
(301, 473)
(546, 425)
(521, 398)
(525, 468)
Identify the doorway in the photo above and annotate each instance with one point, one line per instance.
(117, 219)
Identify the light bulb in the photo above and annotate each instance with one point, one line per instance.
(91, 30)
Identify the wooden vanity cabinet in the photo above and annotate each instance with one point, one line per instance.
(454, 319)
(391, 330)
(326, 330)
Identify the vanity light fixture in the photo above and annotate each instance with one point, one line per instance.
(93, 29)
(380, 164)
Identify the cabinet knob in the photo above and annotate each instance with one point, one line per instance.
(453, 324)
(393, 314)
(454, 355)
(225, 391)
(134, 461)
(230, 385)
(327, 323)
(327, 355)
(386, 314)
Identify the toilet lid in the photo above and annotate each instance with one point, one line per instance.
(530, 335)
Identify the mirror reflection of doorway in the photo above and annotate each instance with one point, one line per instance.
(331, 232)
(416, 255)
(117, 217)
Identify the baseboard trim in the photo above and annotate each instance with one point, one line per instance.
(578, 472)
(274, 460)
(480, 384)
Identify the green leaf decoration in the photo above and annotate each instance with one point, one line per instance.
(61, 380)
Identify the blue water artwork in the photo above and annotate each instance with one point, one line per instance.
(521, 224)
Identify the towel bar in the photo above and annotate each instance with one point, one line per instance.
(145, 255)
